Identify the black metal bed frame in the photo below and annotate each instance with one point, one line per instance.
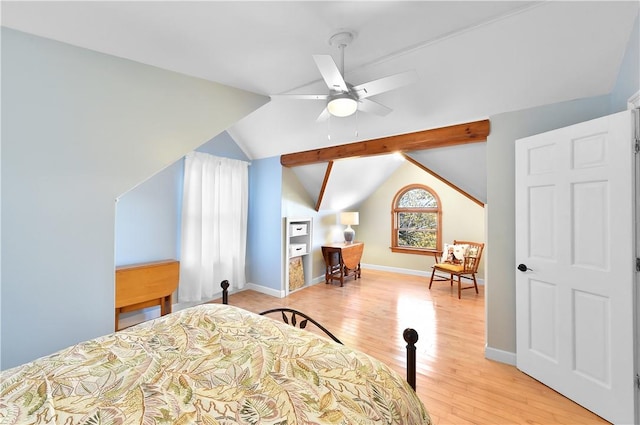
(410, 335)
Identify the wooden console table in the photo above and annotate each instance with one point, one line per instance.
(145, 285)
(341, 260)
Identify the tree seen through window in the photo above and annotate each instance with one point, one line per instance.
(416, 219)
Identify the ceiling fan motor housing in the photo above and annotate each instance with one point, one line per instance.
(342, 104)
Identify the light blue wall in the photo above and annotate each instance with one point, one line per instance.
(148, 217)
(223, 145)
(500, 256)
(505, 129)
(264, 233)
(628, 81)
(77, 130)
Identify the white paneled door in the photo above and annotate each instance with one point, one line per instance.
(575, 254)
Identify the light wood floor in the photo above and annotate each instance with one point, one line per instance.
(455, 382)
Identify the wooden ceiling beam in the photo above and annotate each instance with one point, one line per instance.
(460, 134)
(327, 173)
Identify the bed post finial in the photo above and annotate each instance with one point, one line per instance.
(411, 337)
(225, 291)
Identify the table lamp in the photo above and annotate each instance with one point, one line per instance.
(349, 218)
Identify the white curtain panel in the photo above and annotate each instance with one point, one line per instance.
(214, 225)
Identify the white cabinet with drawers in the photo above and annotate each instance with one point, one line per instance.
(298, 246)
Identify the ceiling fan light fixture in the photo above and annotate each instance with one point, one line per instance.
(342, 105)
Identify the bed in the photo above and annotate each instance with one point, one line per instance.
(209, 364)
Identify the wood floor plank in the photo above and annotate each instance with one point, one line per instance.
(457, 384)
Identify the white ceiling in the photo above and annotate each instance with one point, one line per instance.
(474, 59)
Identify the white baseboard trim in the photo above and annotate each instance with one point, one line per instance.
(501, 356)
(138, 316)
(396, 270)
(278, 293)
(425, 273)
(318, 279)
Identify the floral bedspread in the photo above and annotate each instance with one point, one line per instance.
(211, 364)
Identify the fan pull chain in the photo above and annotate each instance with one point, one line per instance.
(356, 132)
(329, 127)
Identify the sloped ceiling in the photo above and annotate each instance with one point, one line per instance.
(463, 165)
(474, 59)
(350, 181)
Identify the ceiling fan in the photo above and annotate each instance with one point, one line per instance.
(344, 98)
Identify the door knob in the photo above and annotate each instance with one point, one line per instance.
(523, 267)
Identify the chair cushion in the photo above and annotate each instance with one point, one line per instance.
(454, 254)
(450, 267)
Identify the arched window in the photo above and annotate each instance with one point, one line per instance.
(416, 220)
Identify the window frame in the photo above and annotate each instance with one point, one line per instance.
(395, 209)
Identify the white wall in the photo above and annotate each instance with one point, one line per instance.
(80, 128)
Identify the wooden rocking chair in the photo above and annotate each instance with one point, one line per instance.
(465, 268)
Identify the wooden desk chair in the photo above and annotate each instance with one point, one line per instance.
(460, 259)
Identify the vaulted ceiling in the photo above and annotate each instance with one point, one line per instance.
(473, 59)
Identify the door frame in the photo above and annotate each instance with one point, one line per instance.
(634, 104)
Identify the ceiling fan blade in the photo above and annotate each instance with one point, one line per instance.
(324, 115)
(368, 105)
(385, 84)
(300, 96)
(330, 73)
